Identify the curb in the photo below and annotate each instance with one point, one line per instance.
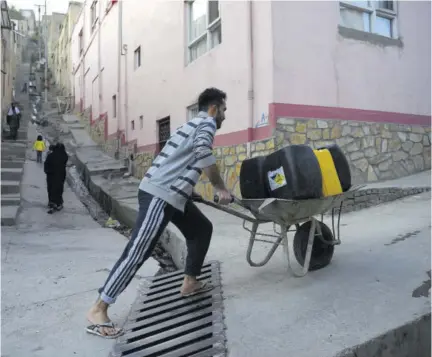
(372, 197)
(410, 339)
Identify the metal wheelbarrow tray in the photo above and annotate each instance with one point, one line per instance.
(297, 216)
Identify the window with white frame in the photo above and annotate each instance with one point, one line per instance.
(192, 111)
(377, 17)
(204, 27)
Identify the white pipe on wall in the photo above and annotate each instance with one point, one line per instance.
(100, 58)
(83, 63)
(251, 84)
(120, 50)
(126, 109)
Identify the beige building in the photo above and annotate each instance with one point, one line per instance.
(8, 61)
(31, 21)
(19, 41)
(54, 23)
(19, 27)
(21, 22)
(62, 61)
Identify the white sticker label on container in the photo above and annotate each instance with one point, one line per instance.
(276, 178)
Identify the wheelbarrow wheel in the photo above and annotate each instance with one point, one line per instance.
(322, 253)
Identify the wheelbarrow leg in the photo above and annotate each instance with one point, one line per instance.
(311, 238)
(276, 244)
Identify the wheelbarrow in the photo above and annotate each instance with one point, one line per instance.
(314, 241)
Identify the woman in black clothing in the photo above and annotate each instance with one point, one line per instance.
(49, 177)
(55, 169)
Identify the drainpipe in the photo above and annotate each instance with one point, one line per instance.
(83, 63)
(126, 109)
(100, 60)
(120, 48)
(251, 79)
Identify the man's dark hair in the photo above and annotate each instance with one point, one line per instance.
(209, 97)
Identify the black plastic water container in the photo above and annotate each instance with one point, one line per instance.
(341, 165)
(252, 183)
(293, 172)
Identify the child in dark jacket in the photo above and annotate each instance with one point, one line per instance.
(55, 169)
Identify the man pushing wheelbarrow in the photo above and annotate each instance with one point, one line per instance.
(165, 196)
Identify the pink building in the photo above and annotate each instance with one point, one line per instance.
(356, 73)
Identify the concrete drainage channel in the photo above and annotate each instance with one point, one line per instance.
(99, 215)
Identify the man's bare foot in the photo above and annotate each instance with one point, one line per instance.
(191, 286)
(98, 315)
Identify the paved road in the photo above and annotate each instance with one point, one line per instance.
(52, 266)
(368, 289)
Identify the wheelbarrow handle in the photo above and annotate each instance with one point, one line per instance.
(234, 199)
(215, 203)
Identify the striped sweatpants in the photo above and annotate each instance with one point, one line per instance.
(153, 216)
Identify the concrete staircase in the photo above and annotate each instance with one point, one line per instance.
(13, 155)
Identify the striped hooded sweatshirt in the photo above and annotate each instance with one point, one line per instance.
(176, 170)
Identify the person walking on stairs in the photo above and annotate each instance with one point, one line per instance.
(55, 170)
(13, 120)
(164, 196)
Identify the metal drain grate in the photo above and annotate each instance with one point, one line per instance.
(165, 324)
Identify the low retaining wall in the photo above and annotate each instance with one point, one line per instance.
(410, 340)
(361, 199)
(375, 151)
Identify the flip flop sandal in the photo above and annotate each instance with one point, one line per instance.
(202, 289)
(95, 330)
